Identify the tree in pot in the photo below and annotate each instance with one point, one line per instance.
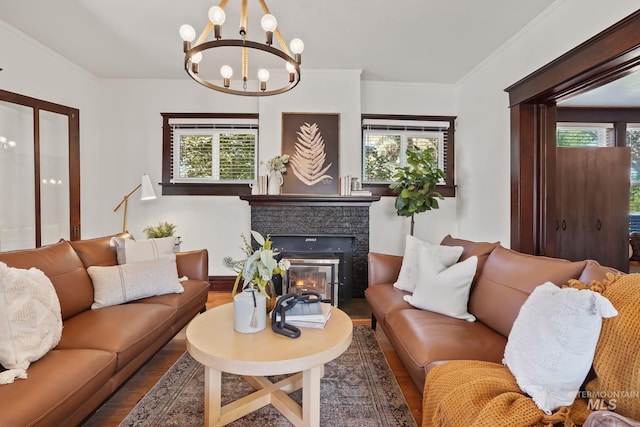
(415, 184)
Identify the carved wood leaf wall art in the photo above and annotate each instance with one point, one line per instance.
(308, 161)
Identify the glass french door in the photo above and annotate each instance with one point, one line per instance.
(39, 172)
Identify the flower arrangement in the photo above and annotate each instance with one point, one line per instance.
(259, 266)
(278, 163)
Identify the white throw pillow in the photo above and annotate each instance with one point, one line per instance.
(552, 342)
(30, 319)
(129, 250)
(443, 256)
(446, 292)
(122, 283)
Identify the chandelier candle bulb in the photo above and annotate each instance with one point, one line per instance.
(217, 18)
(188, 34)
(263, 76)
(297, 47)
(217, 15)
(269, 24)
(195, 61)
(226, 72)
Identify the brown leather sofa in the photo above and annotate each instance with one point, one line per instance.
(99, 349)
(503, 281)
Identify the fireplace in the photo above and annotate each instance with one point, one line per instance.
(315, 227)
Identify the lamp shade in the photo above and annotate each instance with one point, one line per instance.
(147, 189)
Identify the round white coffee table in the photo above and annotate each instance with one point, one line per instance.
(212, 341)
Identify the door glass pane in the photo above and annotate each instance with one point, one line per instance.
(54, 177)
(17, 198)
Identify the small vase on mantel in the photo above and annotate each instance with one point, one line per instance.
(274, 183)
(249, 311)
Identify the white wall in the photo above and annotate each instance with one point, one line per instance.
(120, 131)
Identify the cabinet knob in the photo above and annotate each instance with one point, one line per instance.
(599, 225)
(564, 225)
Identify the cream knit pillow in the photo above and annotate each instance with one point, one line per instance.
(30, 319)
(552, 343)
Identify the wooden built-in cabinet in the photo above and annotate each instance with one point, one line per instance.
(592, 200)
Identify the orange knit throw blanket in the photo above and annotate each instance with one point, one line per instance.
(474, 393)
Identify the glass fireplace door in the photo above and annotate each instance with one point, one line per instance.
(314, 274)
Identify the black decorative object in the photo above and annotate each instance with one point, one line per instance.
(286, 303)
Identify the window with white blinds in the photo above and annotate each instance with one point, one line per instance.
(385, 140)
(213, 150)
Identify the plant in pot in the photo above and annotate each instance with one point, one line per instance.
(256, 272)
(415, 184)
(163, 229)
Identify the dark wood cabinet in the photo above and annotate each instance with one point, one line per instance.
(592, 199)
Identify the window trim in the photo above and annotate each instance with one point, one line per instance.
(449, 188)
(196, 188)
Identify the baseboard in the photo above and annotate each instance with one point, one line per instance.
(221, 283)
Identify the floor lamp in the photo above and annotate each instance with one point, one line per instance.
(147, 194)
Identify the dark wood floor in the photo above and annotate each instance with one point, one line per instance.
(122, 402)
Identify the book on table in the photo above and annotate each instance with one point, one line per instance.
(315, 322)
(313, 315)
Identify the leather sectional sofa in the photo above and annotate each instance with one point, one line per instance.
(504, 279)
(99, 349)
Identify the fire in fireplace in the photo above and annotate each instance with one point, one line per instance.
(314, 274)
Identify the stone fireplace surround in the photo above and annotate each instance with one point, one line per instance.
(319, 216)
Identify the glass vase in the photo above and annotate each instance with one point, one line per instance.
(272, 299)
(249, 311)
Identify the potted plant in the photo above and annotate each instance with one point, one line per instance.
(256, 272)
(415, 184)
(163, 229)
(257, 269)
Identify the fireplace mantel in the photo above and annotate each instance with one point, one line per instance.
(306, 200)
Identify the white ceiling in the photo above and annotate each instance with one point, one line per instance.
(429, 41)
(433, 41)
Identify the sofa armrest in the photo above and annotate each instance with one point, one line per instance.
(383, 268)
(193, 264)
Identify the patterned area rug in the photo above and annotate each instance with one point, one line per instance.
(358, 389)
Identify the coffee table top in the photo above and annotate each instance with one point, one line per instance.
(212, 341)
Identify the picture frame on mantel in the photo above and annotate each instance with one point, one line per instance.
(312, 142)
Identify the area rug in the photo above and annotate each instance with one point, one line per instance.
(358, 389)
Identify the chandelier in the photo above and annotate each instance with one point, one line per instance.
(213, 62)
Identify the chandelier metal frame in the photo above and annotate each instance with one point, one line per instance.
(191, 66)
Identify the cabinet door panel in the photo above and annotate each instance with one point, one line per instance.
(593, 204)
(608, 214)
(571, 180)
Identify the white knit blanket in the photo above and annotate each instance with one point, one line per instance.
(30, 320)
